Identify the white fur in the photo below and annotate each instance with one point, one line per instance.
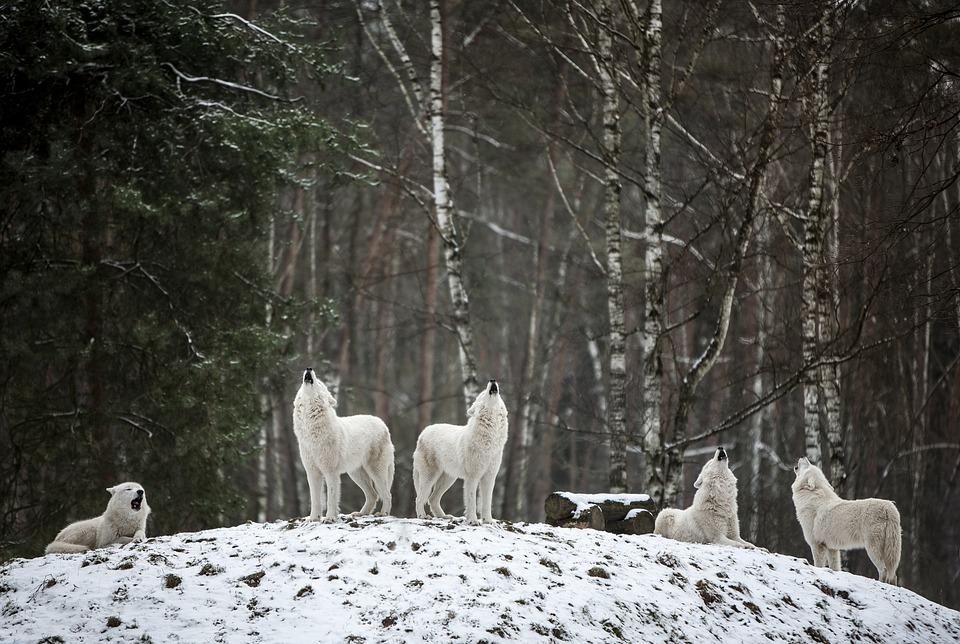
(831, 524)
(330, 446)
(471, 452)
(119, 523)
(713, 516)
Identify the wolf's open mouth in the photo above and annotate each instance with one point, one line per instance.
(135, 504)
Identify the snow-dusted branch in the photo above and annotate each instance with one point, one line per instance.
(225, 83)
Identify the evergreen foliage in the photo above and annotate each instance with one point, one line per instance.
(141, 150)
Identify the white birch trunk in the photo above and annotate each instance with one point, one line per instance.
(444, 212)
(813, 254)
(760, 420)
(828, 310)
(617, 365)
(651, 432)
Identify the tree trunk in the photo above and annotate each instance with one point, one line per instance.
(617, 360)
(651, 431)
(755, 178)
(759, 422)
(428, 341)
(444, 209)
(813, 245)
(829, 312)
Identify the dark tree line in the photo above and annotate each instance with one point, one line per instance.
(659, 227)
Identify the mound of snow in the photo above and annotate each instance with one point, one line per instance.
(376, 580)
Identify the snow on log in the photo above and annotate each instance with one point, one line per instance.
(617, 513)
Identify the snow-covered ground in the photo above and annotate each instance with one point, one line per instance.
(387, 580)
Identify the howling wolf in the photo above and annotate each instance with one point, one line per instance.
(124, 520)
(330, 446)
(471, 452)
(831, 524)
(713, 516)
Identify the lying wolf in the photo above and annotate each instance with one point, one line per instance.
(471, 452)
(124, 520)
(831, 524)
(713, 516)
(331, 445)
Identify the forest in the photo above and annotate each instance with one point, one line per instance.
(660, 226)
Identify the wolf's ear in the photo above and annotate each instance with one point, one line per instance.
(472, 409)
(331, 400)
(111, 490)
(807, 483)
(698, 482)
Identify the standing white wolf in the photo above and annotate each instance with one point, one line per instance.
(831, 524)
(471, 452)
(713, 516)
(124, 520)
(330, 446)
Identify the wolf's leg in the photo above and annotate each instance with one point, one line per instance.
(333, 497)
(486, 495)
(439, 487)
(362, 478)
(833, 559)
(315, 483)
(820, 555)
(421, 489)
(723, 540)
(470, 500)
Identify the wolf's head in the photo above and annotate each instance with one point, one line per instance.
(717, 467)
(488, 402)
(127, 498)
(315, 391)
(810, 478)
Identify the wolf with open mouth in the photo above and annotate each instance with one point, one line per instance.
(124, 520)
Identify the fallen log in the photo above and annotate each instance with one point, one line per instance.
(565, 506)
(637, 521)
(588, 517)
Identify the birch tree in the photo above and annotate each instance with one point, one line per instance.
(651, 431)
(821, 386)
(443, 206)
(755, 179)
(617, 360)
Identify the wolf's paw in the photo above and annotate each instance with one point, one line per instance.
(489, 520)
(329, 519)
(472, 521)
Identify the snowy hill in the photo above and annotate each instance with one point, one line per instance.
(385, 580)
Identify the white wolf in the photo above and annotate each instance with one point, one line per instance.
(713, 516)
(330, 446)
(471, 452)
(831, 524)
(124, 520)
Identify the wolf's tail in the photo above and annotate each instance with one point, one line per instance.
(664, 523)
(890, 544)
(63, 546)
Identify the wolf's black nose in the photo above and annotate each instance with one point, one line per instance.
(308, 375)
(139, 492)
(721, 454)
(493, 387)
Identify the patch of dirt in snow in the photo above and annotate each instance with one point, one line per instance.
(388, 580)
